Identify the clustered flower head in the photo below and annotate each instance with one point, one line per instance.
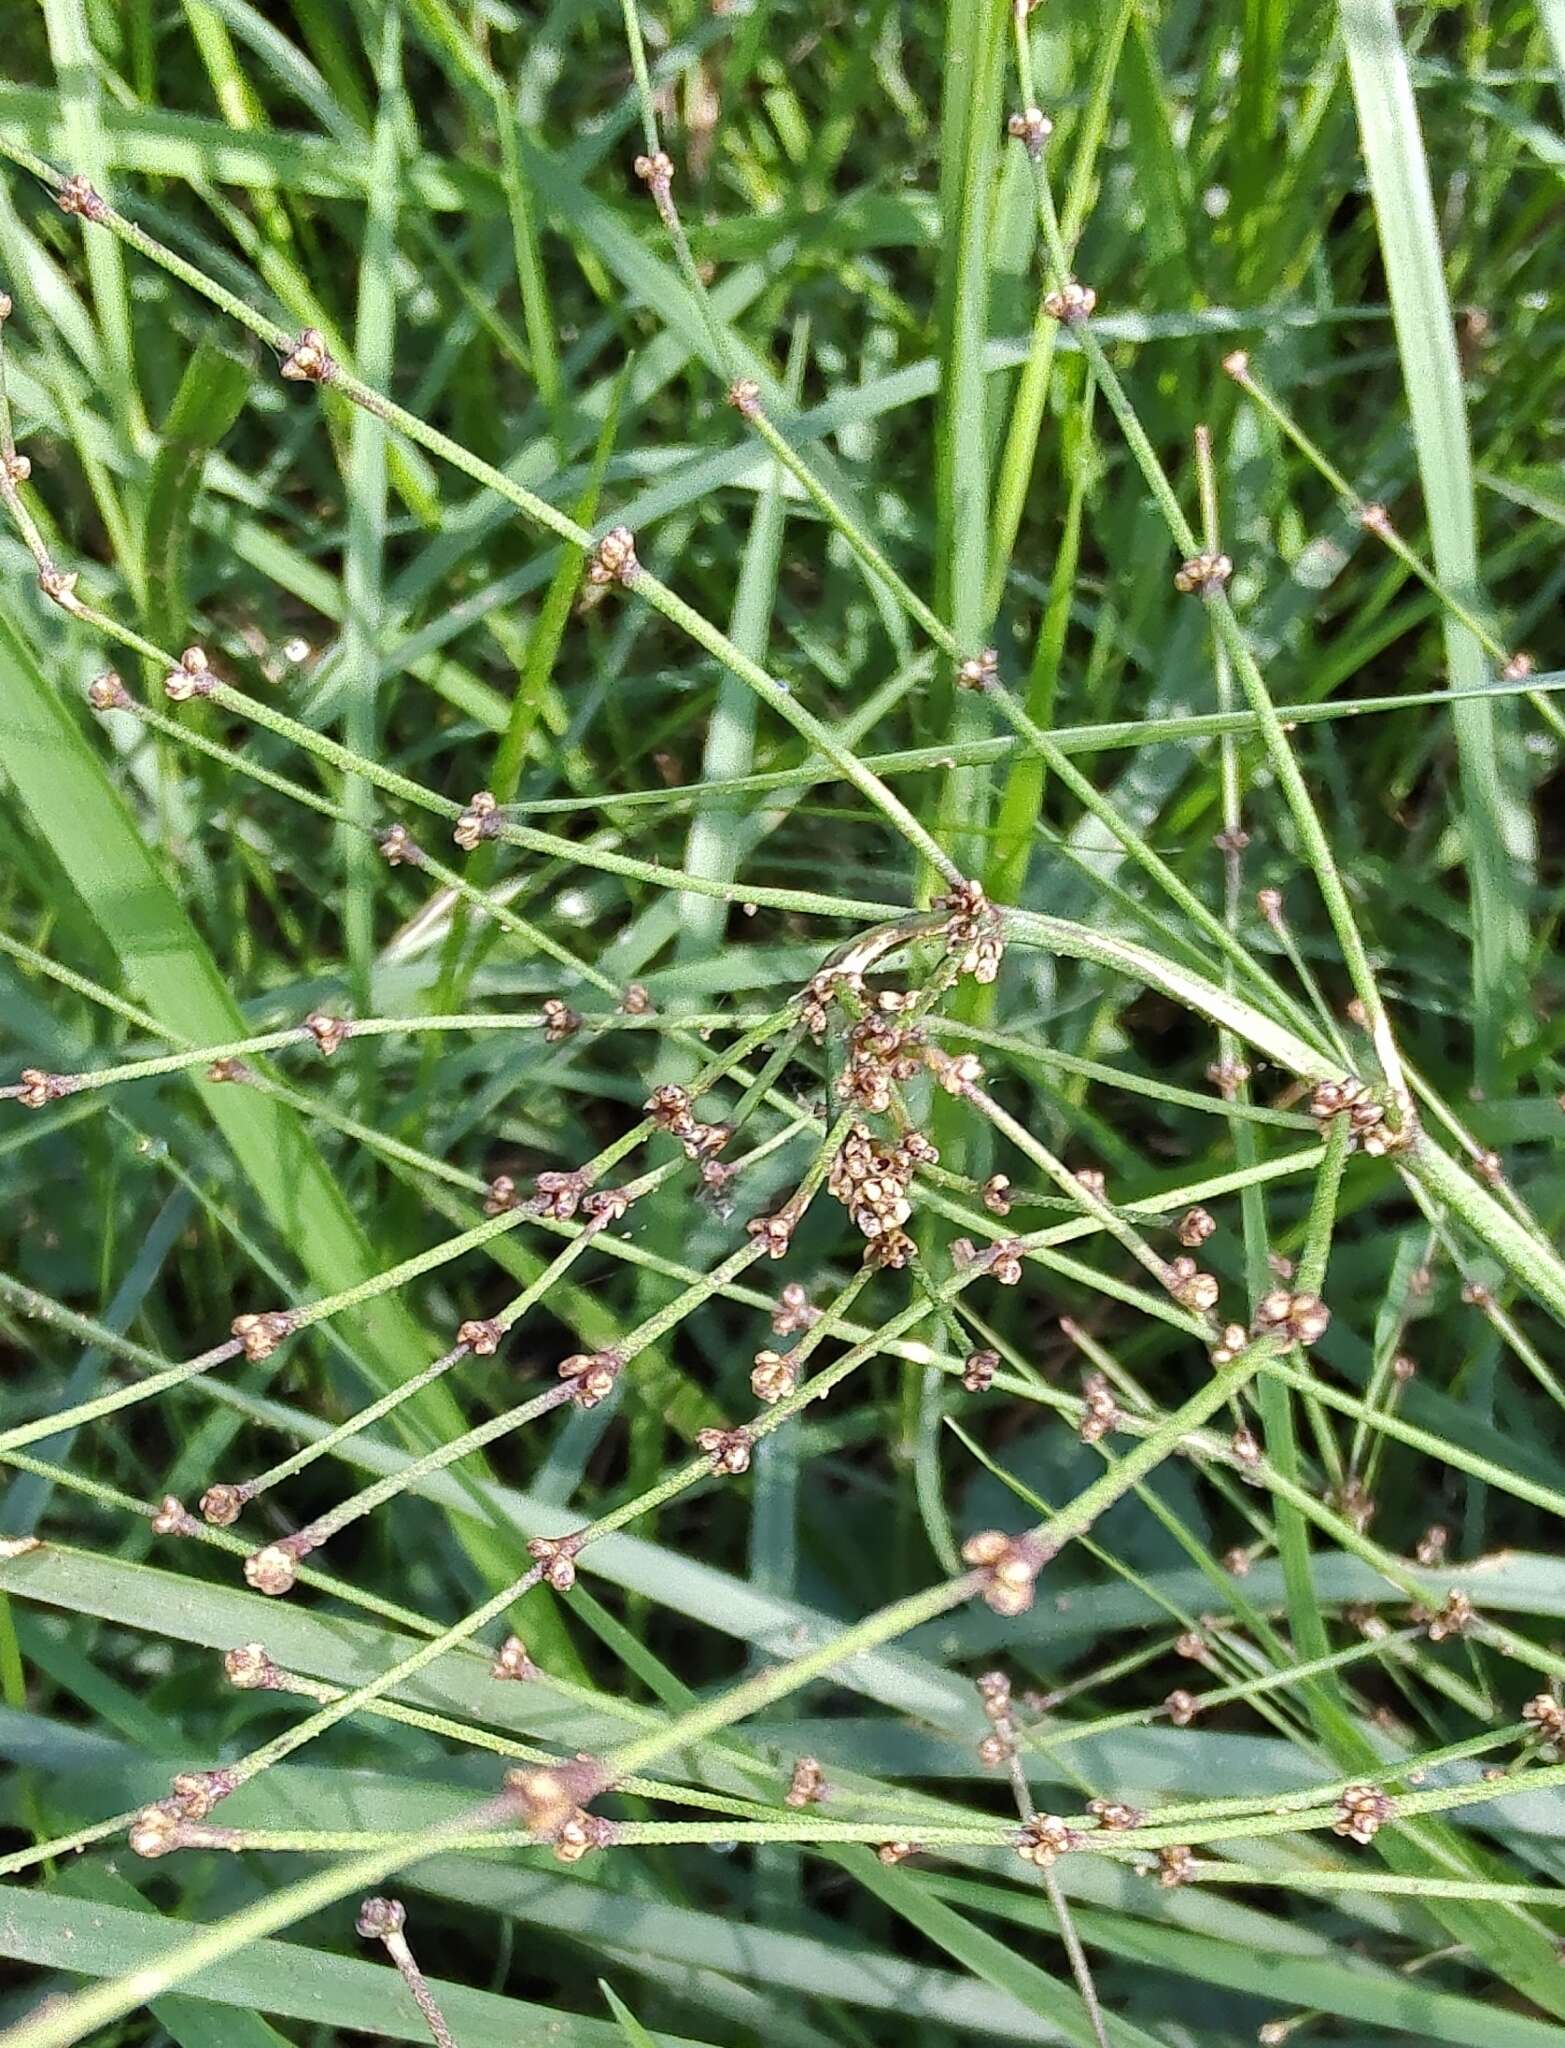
(558, 1192)
(891, 1853)
(1187, 1283)
(560, 1021)
(272, 1570)
(39, 1089)
(1361, 1812)
(107, 693)
(1113, 1816)
(728, 1449)
(1546, 1716)
(1003, 1259)
(978, 671)
(1350, 1097)
(1455, 1618)
(1181, 1707)
(994, 1695)
(1301, 1318)
(1010, 1565)
(259, 1335)
(1072, 303)
(614, 559)
(880, 1054)
(249, 1669)
(974, 933)
(327, 1031)
(579, 1832)
(557, 1556)
(794, 1311)
(1203, 575)
(807, 1785)
(1195, 1227)
(1031, 127)
(479, 821)
(1175, 1865)
(398, 846)
(309, 361)
(172, 1518)
(1045, 1839)
(978, 1371)
(671, 1109)
(1100, 1411)
(774, 1376)
(512, 1662)
(1233, 1340)
(192, 678)
(996, 1194)
(78, 195)
(481, 1335)
(744, 395)
(870, 1177)
(591, 1375)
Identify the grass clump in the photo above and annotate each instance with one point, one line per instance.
(780, 1104)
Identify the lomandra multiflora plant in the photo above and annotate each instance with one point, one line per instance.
(781, 1081)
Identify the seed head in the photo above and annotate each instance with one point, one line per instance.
(193, 677)
(398, 847)
(380, 1917)
(155, 1830)
(1113, 1816)
(996, 1193)
(1375, 519)
(807, 1786)
(1175, 1866)
(592, 1375)
(39, 1089)
(1010, 1565)
(978, 1371)
(478, 822)
(579, 1832)
(1232, 839)
(775, 1376)
(1031, 127)
(193, 1794)
(172, 1518)
(1244, 1446)
(559, 1020)
(501, 1195)
(220, 1505)
(1456, 1618)
(1518, 668)
(655, 170)
(328, 1032)
(481, 1336)
(512, 1661)
(1236, 364)
(635, 1002)
(108, 693)
(615, 558)
(1430, 1548)
(227, 1070)
(271, 1570)
(249, 1669)
(1203, 575)
(261, 1334)
(978, 671)
(1195, 1227)
(1072, 304)
(559, 1194)
(1361, 1811)
(557, 1555)
(1228, 1076)
(309, 361)
(1301, 1318)
(729, 1450)
(1181, 1707)
(1100, 1411)
(77, 196)
(1545, 1715)
(1045, 1839)
(744, 395)
(59, 586)
(995, 1748)
(775, 1232)
(1233, 1340)
(898, 1852)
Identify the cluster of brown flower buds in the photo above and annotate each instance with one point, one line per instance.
(978, 671)
(614, 559)
(1203, 575)
(512, 1662)
(979, 1369)
(1071, 304)
(820, 992)
(807, 1785)
(309, 361)
(398, 847)
(1350, 1097)
(38, 1089)
(1114, 1817)
(579, 1832)
(327, 1031)
(1546, 1716)
(1010, 1565)
(728, 1449)
(79, 196)
(248, 1669)
(1195, 1227)
(259, 1335)
(994, 1695)
(1301, 1318)
(479, 821)
(891, 1853)
(793, 1311)
(1175, 1866)
(1003, 1260)
(591, 1375)
(744, 395)
(192, 678)
(870, 1177)
(1032, 128)
(1354, 1502)
(1045, 1839)
(656, 172)
(1100, 1411)
(557, 1556)
(560, 1021)
(774, 1376)
(1187, 1283)
(1361, 1812)
(1181, 1707)
(671, 1109)
(974, 933)
(1455, 1618)
(880, 1054)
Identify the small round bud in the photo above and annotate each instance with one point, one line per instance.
(271, 1570)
